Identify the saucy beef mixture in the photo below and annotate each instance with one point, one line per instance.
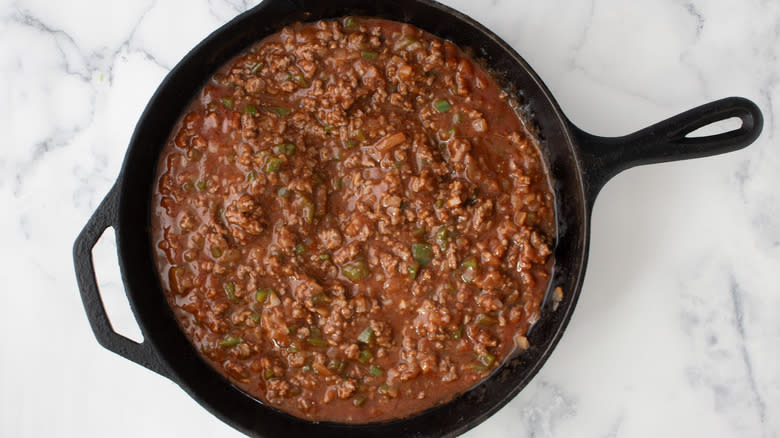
(352, 222)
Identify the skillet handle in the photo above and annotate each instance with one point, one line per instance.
(103, 218)
(604, 157)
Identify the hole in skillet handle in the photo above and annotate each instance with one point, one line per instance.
(601, 158)
(109, 280)
(719, 127)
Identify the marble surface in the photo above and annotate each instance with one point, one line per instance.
(677, 331)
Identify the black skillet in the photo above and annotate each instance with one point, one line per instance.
(579, 165)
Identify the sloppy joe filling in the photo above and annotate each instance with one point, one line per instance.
(352, 222)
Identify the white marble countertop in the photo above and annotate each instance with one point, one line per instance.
(677, 331)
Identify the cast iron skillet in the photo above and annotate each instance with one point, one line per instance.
(579, 165)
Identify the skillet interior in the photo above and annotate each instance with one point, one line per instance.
(135, 188)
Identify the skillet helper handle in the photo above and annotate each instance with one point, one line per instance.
(605, 157)
(103, 218)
